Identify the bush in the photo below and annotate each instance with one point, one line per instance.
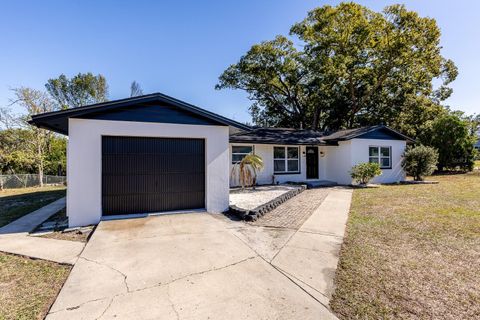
(420, 161)
(364, 172)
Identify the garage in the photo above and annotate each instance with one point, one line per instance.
(145, 175)
(141, 155)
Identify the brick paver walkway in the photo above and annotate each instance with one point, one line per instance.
(293, 213)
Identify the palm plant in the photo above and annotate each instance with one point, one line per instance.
(246, 170)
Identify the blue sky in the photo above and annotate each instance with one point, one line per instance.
(181, 47)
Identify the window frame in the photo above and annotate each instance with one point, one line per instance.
(240, 153)
(286, 159)
(379, 156)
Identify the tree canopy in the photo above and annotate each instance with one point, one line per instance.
(349, 66)
(453, 138)
(32, 144)
(80, 90)
(27, 149)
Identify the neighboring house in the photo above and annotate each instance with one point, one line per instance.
(154, 153)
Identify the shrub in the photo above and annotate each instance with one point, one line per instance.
(420, 161)
(364, 172)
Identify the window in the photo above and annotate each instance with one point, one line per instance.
(239, 152)
(286, 160)
(381, 155)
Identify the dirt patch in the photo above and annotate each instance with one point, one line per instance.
(56, 227)
(411, 251)
(81, 235)
(28, 287)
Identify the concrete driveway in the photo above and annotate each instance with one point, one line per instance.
(188, 266)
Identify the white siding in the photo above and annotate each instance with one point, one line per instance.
(336, 162)
(84, 162)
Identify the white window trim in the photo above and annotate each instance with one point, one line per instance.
(380, 157)
(286, 160)
(241, 153)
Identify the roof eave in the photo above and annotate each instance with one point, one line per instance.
(105, 106)
(47, 127)
(374, 128)
(279, 142)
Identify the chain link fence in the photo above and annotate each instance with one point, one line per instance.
(11, 181)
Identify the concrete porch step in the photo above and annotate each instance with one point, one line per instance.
(319, 184)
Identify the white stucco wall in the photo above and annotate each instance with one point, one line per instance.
(336, 163)
(359, 151)
(339, 162)
(265, 151)
(84, 163)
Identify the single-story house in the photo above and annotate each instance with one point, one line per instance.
(154, 153)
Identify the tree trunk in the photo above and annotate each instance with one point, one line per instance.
(316, 116)
(40, 165)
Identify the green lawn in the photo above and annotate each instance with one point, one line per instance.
(28, 287)
(15, 203)
(412, 252)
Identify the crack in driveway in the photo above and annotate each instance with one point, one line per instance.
(321, 233)
(196, 274)
(111, 268)
(108, 307)
(78, 306)
(283, 273)
(112, 298)
(171, 303)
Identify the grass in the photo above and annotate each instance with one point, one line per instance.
(15, 203)
(412, 252)
(28, 287)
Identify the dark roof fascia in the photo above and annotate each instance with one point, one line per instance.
(372, 129)
(288, 138)
(203, 112)
(110, 105)
(283, 143)
(46, 126)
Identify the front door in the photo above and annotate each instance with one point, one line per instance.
(312, 162)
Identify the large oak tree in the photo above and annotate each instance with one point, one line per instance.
(353, 66)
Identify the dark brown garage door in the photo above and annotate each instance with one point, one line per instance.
(142, 175)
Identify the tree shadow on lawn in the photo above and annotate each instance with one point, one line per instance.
(15, 206)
